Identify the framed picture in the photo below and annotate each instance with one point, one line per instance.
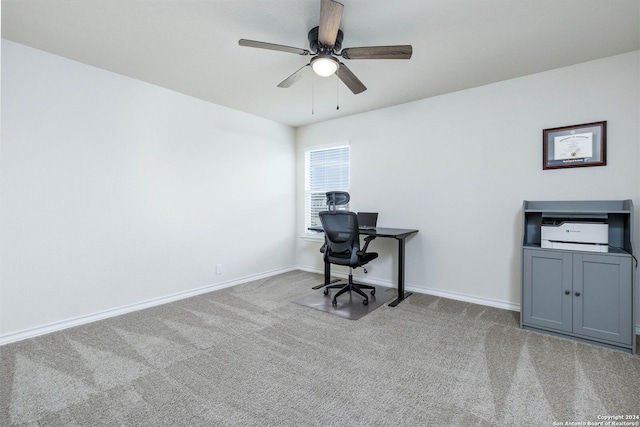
(575, 146)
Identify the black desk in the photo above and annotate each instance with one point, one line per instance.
(401, 235)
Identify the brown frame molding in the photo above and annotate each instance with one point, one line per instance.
(595, 155)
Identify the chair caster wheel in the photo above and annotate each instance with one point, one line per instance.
(373, 291)
(334, 302)
(365, 302)
(326, 291)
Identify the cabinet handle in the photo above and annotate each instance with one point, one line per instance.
(577, 294)
(567, 292)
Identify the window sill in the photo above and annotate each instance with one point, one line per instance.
(313, 237)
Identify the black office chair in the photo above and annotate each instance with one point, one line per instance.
(342, 247)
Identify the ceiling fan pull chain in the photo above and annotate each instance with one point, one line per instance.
(312, 92)
(337, 94)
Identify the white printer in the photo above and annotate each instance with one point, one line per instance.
(576, 236)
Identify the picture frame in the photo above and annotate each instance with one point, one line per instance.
(575, 146)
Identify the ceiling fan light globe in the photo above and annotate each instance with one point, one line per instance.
(324, 66)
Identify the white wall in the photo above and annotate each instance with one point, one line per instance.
(116, 192)
(458, 167)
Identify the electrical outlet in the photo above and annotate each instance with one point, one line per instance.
(218, 268)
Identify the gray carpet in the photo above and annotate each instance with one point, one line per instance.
(249, 356)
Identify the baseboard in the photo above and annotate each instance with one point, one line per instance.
(57, 326)
(77, 321)
(428, 291)
(435, 292)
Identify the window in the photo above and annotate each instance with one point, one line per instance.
(326, 169)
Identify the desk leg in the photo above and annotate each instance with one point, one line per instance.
(327, 277)
(401, 293)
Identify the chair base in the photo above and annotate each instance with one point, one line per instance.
(348, 287)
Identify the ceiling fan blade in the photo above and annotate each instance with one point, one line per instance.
(378, 52)
(330, 15)
(271, 46)
(350, 79)
(289, 81)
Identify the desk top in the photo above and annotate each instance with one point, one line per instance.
(396, 233)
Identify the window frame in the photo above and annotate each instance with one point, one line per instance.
(343, 183)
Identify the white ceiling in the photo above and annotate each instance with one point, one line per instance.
(191, 46)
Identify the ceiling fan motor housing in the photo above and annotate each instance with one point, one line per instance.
(315, 45)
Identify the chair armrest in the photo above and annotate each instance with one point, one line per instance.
(367, 240)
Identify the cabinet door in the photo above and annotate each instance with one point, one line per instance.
(602, 306)
(547, 277)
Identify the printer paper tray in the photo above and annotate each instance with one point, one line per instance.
(587, 247)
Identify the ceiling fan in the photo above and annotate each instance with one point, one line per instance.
(325, 42)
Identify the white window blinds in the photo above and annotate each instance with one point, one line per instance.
(326, 169)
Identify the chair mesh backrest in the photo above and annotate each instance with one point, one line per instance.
(341, 233)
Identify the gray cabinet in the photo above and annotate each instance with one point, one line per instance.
(602, 297)
(577, 294)
(583, 294)
(547, 276)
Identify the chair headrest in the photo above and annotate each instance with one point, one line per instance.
(336, 198)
